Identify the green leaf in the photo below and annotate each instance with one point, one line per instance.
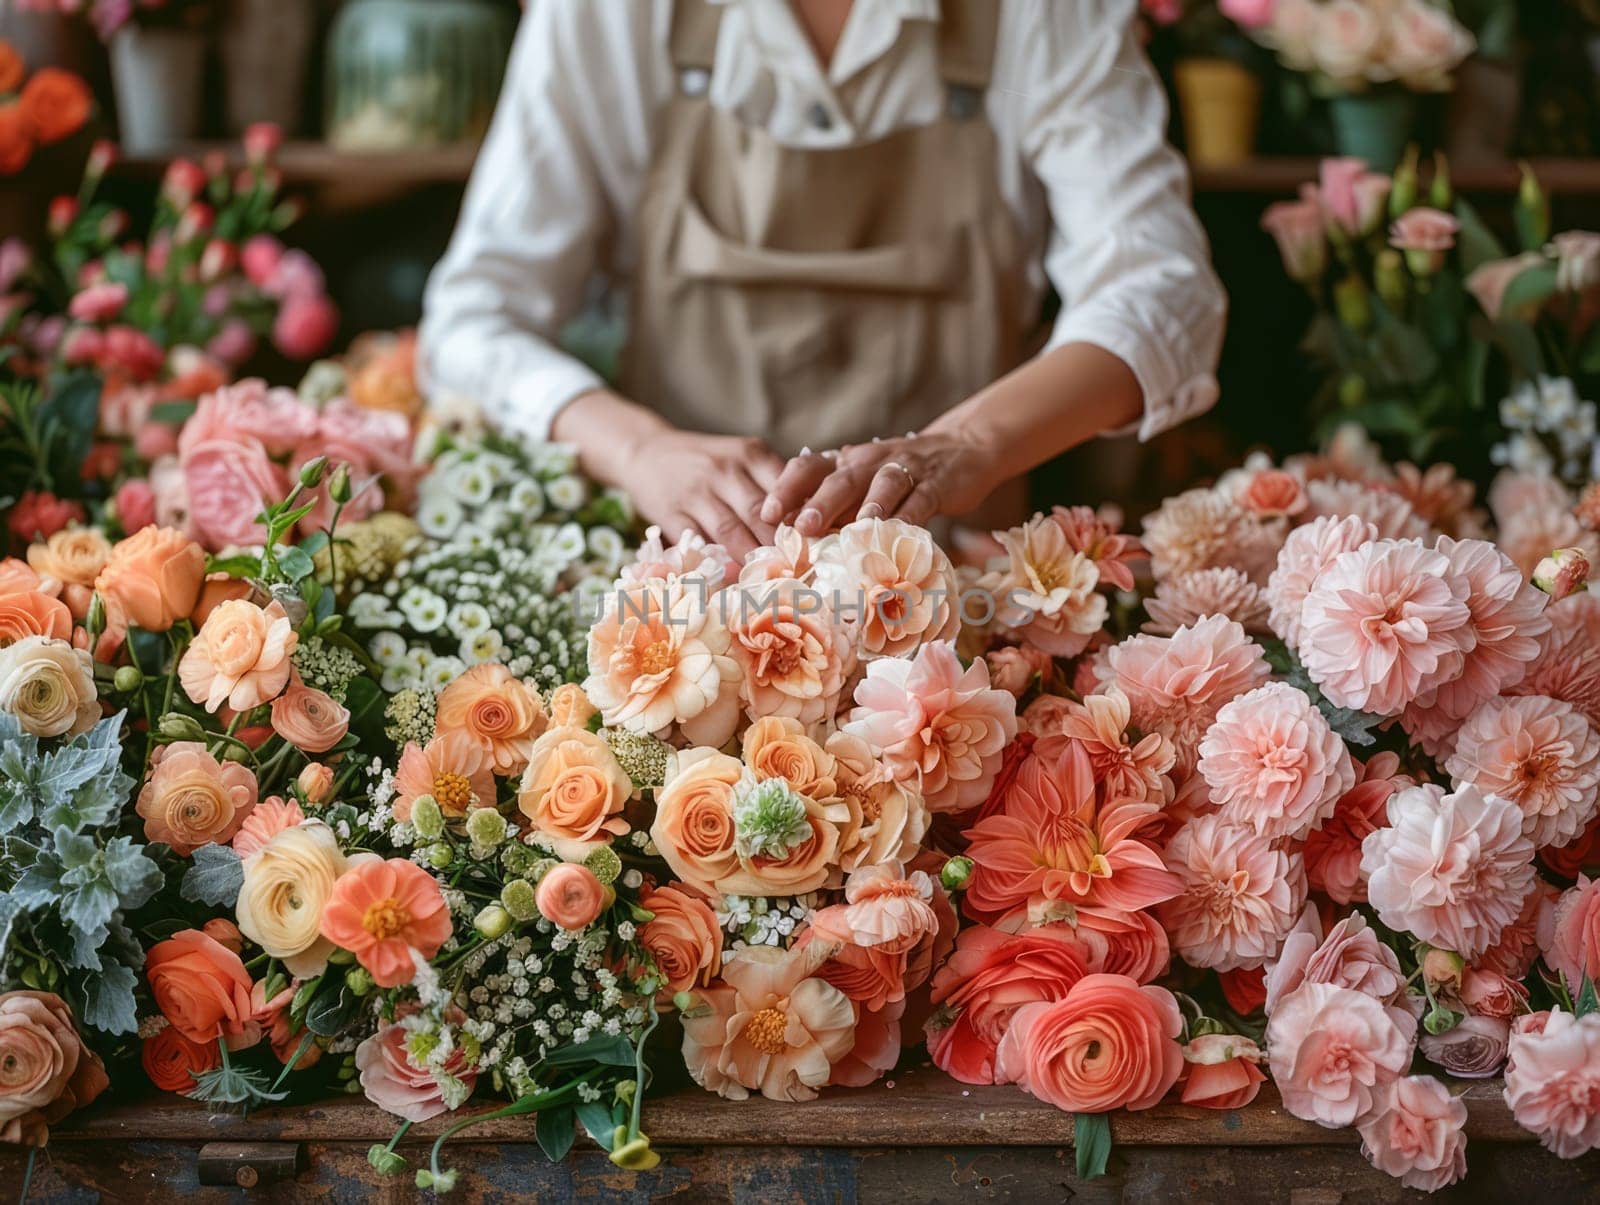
(172, 413)
(105, 999)
(235, 566)
(314, 543)
(295, 563)
(233, 1085)
(1528, 291)
(1475, 244)
(10, 912)
(1587, 1001)
(331, 1009)
(365, 701)
(1091, 1141)
(214, 877)
(599, 1122)
(556, 1130)
(132, 875)
(610, 1050)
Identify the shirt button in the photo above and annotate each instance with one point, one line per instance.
(694, 81)
(819, 117)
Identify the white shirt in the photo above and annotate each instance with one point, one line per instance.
(1079, 116)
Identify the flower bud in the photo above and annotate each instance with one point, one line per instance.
(63, 212)
(1442, 968)
(605, 864)
(339, 484)
(174, 726)
(1352, 390)
(385, 1161)
(1440, 195)
(635, 1155)
(1532, 210)
(492, 921)
(1440, 1020)
(486, 827)
(440, 855)
(1352, 304)
(95, 620)
(127, 678)
(1403, 194)
(520, 900)
(101, 156)
(955, 873)
(1565, 571)
(426, 817)
(542, 867)
(359, 980)
(1389, 276)
(315, 783)
(311, 472)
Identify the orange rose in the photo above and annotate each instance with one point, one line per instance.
(11, 67)
(201, 987)
(570, 707)
(73, 557)
(494, 707)
(225, 933)
(56, 103)
(693, 827)
(778, 747)
(315, 783)
(153, 577)
(45, 1069)
(309, 719)
(683, 937)
(30, 613)
(573, 789)
(191, 799)
(16, 139)
(172, 1061)
(217, 589)
(240, 657)
(570, 897)
(17, 575)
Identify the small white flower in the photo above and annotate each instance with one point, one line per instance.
(607, 544)
(481, 647)
(567, 493)
(472, 483)
(371, 611)
(443, 671)
(440, 517)
(526, 499)
(468, 619)
(569, 542)
(388, 649)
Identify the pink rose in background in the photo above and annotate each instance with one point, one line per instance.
(1353, 198)
(1296, 227)
(1345, 46)
(15, 259)
(1577, 260)
(132, 352)
(305, 326)
(1417, 1133)
(135, 505)
(294, 274)
(1426, 236)
(1473, 1049)
(99, 302)
(1162, 12)
(1334, 1051)
(1333, 852)
(226, 485)
(1574, 946)
(274, 418)
(1553, 1080)
(1425, 44)
(1453, 870)
(260, 257)
(689, 555)
(397, 1085)
(234, 343)
(1252, 14)
(371, 444)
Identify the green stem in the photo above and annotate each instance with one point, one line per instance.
(531, 1103)
(638, 1071)
(289, 1066)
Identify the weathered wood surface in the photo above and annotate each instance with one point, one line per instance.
(920, 1141)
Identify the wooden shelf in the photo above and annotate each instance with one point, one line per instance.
(1282, 175)
(306, 163)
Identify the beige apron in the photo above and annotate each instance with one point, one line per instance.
(822, 297)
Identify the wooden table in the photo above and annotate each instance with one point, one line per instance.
(924, 1139)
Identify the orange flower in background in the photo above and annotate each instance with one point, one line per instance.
(492, 705)
(172, 1061)
(191, 799)
(56, 104)
(453, 768)
(240, 657)
(11, 67)
(153, 577)
(202, 988)
(384, 913)
(30, 613)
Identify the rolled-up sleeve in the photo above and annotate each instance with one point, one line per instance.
(534, 218)
(1126, 252)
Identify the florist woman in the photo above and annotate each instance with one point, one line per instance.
(836, 221)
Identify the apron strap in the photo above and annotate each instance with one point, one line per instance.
(693, 41)
(967, 31)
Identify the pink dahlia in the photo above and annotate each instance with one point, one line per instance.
(943, 730)
(1518, 948)
(1307, 552)
(1417, 1133)
(1240, 895)
(1539, 753)
(1440, 497)
(1176, 684)
(1126, 765)
(1187, 598)
(1349, 956)
(1334, 1051)
(1568, 665)
(1507, 621)
(1385, 625)
(1453, 870)
(1207, 528)
(1273, 763)
(1333, 852)
(1389, 512)
(1553, 1080)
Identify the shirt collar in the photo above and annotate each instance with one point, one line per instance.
(869, 32)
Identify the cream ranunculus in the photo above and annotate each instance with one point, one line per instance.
(49, 686)
(286, 883)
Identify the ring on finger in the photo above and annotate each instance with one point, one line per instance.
(903, 470)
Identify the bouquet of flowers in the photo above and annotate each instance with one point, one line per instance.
(1354, 45)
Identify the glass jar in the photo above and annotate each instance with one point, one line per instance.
(410, 73)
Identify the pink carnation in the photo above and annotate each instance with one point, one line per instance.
(1350, 956)
(1385, 625)
(1507, 621)
(1417, 1133)
(1333, 852)
(1386, 510)
(1539, 753)
(1553, 1080)
(1453, 870)
(1307, 552)
(1335, 1050)
(99, 302)
(943, 730)
(1568, 665)
(1186, 598)
(1176, 684)
(1574, 945)
(1240, 895)
(1273, 763)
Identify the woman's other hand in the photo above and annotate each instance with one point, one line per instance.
(912, 478)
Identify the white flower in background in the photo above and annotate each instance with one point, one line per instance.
(443, 671)
(499, 466)
(1520, 411)
(526, 499)
(481, 647)
(439, 516)
(569, 542)
(473, 538)
(552, 460)
(468, 619)
(567, 493)
(371, 611)
(388, 649)
(607, 544)
(1558, 399)
(471, 483)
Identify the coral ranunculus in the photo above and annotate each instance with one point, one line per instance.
(201, 987)
(31, 613)
(1221, 1071)
(241, 656)
(172, 1061)
(309, 719)
(1107, 1044)
(1553, 1080)
(388, 914)
(497, 708)
(570, 897)
(45, 1069)
(191, 799)
(683, 937)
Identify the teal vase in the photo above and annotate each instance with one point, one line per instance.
(413, 73)
(1375, 126)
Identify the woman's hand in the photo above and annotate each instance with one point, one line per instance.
(911, 478)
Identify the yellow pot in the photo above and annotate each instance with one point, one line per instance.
(1221, 105)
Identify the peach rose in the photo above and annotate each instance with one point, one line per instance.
(693, 826)
(172, 1061)
(191, 799)
(793, 653)
(497, 708)
(570, 897)
(217, 589)
(48, 686)
(573, 788)
(315, 783)
(570, 707)
(1107, 1044)
(886, 821)
(287, 882)
(33, 613)
(1221, 1071)
(45, 1069)
(809, 851)
(240, 657)
(683, 937)
(201, 987)
(1270, 493)
(309, 719)
(777, 747)
(72, 558)
(153, 578)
